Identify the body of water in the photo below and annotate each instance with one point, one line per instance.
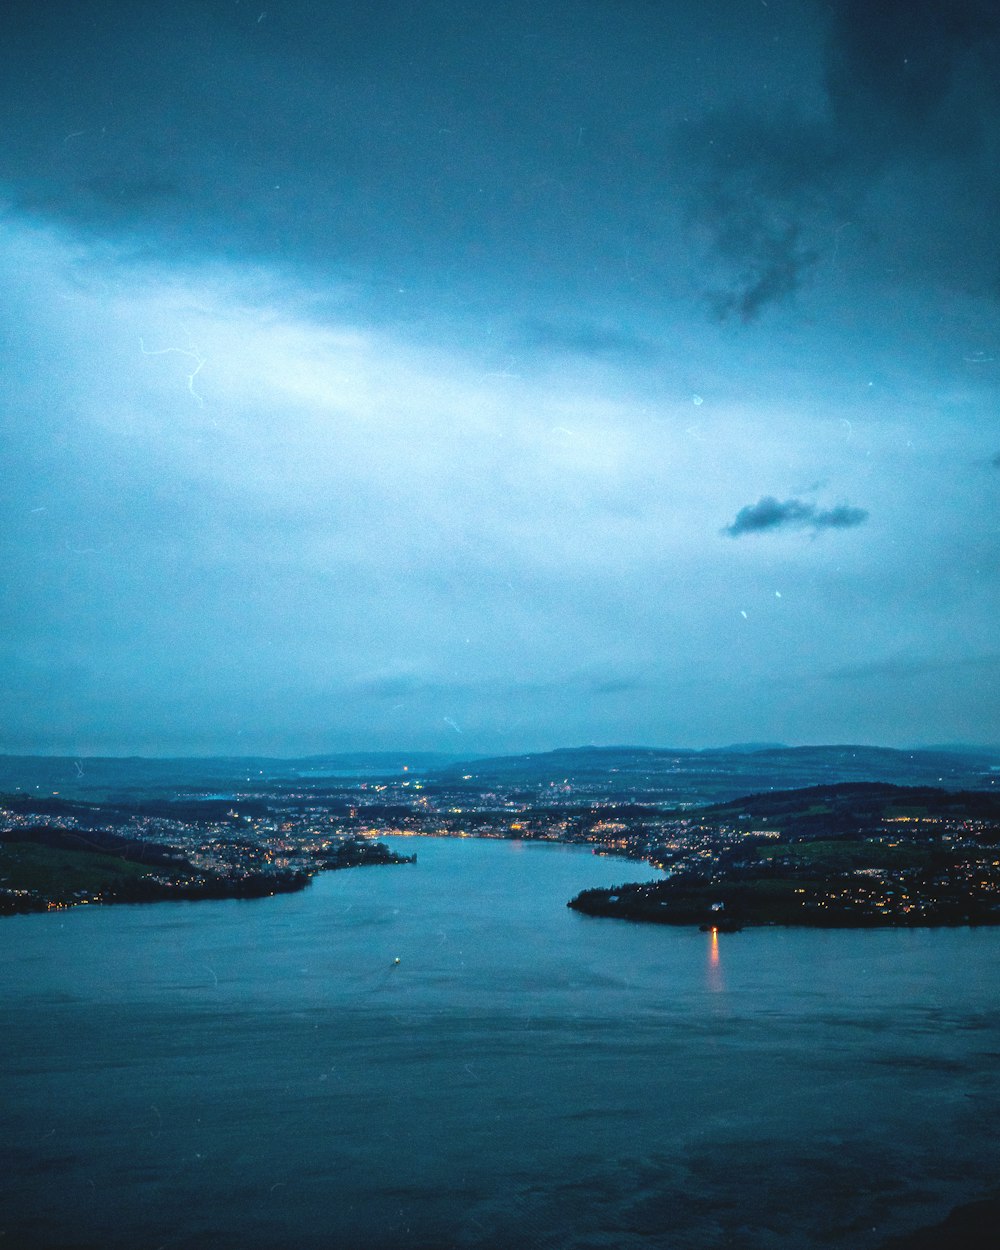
(264, 1074)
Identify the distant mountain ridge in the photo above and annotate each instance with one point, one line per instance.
(651, 774)
(614, 756)
(114, 776)
(716, 774)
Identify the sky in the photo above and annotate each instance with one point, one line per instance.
(491, 378)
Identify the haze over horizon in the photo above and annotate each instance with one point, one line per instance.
(490, 380)
(418, 756)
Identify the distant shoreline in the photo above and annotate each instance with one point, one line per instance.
(971, 1226)
(46, 870)
(743, 902)
(611, 910)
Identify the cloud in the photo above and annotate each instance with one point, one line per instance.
(778, 266)
(898, 108)
(892, 66)
(902, 668)
(769, 514)
(326, 140)
(766, 197)
(578, 338)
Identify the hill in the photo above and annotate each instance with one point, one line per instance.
(718, 775)
(834, 856)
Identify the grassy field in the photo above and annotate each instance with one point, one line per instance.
(58, 873)
(848, 854)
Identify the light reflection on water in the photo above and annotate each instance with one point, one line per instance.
(715, 982)
(266, 1074)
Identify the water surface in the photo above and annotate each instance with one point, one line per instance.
(264, 1073)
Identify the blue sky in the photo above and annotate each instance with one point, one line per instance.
(485, 380)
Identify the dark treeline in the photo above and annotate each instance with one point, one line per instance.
(99, 842)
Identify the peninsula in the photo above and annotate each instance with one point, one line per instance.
(79, 854)
(842, 856)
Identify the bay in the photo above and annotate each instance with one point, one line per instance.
(265, 1073)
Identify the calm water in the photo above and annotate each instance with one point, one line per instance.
(262, 1074)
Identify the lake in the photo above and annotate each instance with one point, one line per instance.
(263, 1074)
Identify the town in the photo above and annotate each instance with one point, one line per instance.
(849, 853)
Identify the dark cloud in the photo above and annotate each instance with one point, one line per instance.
(429, 686)
(769, 514)
(776, 267)
(139, 193)
(358, 518)
(435, 141)
(766, 195)
(618, 685)
(912, 112)
(585, 339)
(550, 142)
(395, 686)
(892, 65)
(903, 668)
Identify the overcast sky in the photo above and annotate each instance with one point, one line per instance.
(488, 378)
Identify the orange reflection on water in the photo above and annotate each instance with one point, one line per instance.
(714, 966)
